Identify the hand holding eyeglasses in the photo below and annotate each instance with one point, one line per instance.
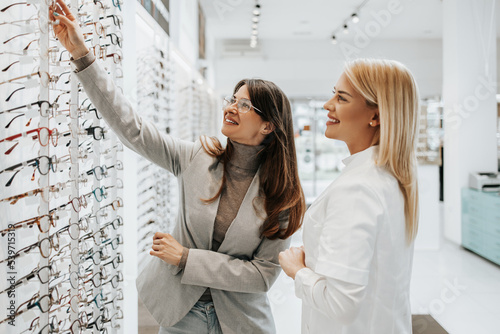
(68, 30)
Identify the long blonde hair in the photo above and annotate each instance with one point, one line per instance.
(390, 86)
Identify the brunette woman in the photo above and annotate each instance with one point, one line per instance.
(239, 204)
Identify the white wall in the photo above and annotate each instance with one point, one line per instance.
(311, 68)
(430, 220)
(498, 59)
(470, 107)
(184, 28)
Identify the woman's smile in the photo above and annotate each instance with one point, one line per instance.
(332, 121)
(230, 121)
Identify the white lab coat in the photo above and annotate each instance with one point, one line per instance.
(357, 279)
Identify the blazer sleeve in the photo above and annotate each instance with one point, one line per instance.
(225, 272)
(136, 133)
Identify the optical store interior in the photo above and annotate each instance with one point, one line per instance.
(79, 209)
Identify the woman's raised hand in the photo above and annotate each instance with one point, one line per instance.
(68, 30)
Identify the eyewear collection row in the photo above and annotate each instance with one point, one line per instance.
(156, 187)
(59, 157)
(157, 196)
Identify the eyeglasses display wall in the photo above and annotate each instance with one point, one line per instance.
(203, 117)
(179, 106)
(60, 175)
(156, 187)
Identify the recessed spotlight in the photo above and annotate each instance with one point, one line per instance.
(346, 29)
(334, 40)
(255, 19)
(354, 18)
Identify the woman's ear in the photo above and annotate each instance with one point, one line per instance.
(267, 128)
(375, 120)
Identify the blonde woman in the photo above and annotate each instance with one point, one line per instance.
(353, 272)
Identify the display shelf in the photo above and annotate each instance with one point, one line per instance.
(60, 183)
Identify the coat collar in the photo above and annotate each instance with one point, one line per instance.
(360, 157)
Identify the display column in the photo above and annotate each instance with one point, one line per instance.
(97, 291)
(129, 211)
(469, 89)
(75, 192)
(44, 150)
(112, 297)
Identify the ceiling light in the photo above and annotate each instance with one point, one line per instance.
(255, 26)
(256, 11)
(352, 18)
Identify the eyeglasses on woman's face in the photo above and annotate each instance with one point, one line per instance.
(243, 105)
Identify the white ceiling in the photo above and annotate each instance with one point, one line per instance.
(318, 19)
(295, 50)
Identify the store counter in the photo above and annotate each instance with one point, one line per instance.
(481, 223)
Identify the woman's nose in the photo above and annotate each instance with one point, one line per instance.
(233, 108)
(329, 105)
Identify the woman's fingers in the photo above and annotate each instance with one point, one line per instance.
(156, 247)
(58, 10)
(159, 235)
(68, 30)
(64, 20)
(65, 8)
(154, 253)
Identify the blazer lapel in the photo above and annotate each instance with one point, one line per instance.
(200, 216)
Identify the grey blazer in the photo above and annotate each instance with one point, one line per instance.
(243, 269)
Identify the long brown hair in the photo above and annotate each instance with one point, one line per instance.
(279, 179)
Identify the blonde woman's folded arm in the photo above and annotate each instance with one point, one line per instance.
(349, 227)
(334, 298)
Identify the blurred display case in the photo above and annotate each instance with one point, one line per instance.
(430, 132)
(319, 158)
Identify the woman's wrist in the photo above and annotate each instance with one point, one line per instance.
(80, 52)
(183, 258)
